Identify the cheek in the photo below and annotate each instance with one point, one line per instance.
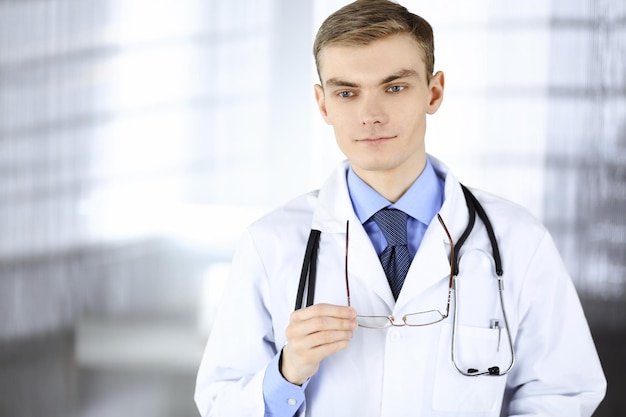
(411, 114)
(343, 134)
(339, 117)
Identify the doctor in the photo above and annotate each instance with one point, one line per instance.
(377, 86)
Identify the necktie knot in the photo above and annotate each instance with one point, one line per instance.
(392, 223)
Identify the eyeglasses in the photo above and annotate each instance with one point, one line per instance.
(422, 318)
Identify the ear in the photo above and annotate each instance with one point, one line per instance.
(321, 102)
(436, 87)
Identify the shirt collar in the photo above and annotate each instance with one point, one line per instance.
(421, 201)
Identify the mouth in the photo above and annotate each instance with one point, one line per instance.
(375, 139)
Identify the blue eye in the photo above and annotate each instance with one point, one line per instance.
(346, 94)
(396, 88)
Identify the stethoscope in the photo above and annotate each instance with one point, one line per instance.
(309, 272)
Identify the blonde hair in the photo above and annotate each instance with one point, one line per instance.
(365, 21)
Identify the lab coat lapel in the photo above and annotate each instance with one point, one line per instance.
(334, 207)
(432, 263)
(364, 266)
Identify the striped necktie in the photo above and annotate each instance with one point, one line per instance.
(395, 259)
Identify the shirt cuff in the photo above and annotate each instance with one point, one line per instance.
(282, 398)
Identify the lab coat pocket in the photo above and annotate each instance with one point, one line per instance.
(479, 348)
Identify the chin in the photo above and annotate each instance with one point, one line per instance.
(374, 166)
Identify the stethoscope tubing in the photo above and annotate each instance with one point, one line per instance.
(474, 207)
(506, 326)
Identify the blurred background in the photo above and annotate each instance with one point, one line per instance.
(138, 138)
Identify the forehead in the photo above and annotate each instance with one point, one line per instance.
(374, 61)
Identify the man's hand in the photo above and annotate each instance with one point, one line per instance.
(314, 333)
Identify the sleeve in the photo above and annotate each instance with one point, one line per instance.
(241, 349)
(282, 398)
(558, 372)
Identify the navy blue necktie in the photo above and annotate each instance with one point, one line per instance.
(395, 259)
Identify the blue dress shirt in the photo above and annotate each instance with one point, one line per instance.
(421, 202)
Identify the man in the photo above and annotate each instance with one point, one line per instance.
(525, 351)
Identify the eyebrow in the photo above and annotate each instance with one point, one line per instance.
(403, 73)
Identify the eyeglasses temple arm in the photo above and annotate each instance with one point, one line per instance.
(346, 263)
(450, 283)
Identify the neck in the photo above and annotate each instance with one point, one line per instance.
(392, 184)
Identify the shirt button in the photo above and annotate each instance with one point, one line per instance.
(292, 401)
(394, 336)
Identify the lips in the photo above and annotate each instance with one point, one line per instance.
(376, 139)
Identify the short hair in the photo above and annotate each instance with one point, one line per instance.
(364, 21)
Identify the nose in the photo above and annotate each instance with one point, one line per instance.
(372, 111)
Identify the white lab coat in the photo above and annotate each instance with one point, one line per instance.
(406, 371)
